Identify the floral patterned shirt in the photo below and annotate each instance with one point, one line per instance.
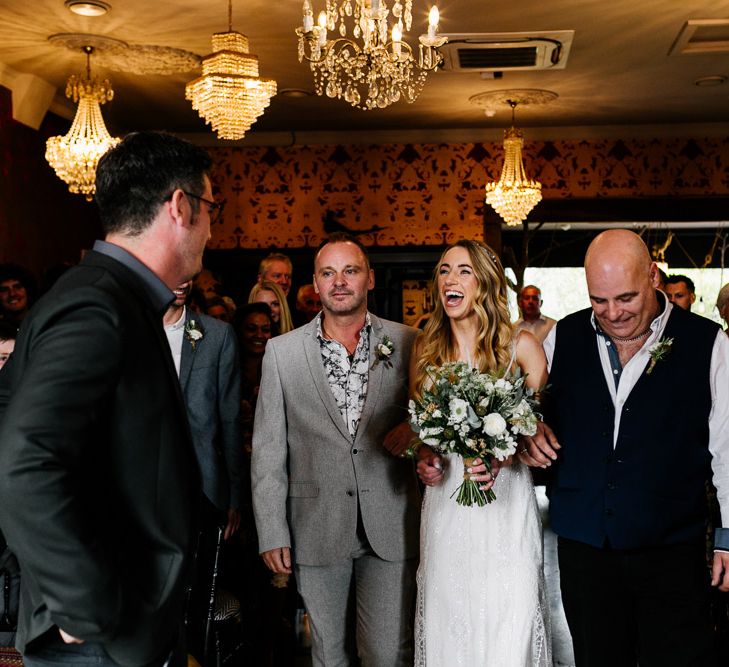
(347, 377)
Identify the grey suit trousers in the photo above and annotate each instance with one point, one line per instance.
(356, 598)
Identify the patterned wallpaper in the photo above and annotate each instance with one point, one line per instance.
(431, 194)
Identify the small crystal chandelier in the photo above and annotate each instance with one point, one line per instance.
(230, 95)
(75, 155)
(374, 72)
(514, 195)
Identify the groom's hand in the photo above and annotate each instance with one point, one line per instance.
(278, 560)
(720, 571)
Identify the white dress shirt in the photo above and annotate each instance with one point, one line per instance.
(175, 333)
(539, 327)
(719, 384)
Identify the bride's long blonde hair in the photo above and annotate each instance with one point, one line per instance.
(495, 331)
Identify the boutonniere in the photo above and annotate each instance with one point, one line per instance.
(658, 351)
(383, 352)
(193, 332)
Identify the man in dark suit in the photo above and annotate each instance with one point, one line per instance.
(206, 358)
(98, 479)
(628, 497)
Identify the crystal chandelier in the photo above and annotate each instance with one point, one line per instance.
(514, 195)
(230, 95)
(75, 155)
(374, 67)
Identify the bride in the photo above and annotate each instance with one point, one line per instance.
(481, 594)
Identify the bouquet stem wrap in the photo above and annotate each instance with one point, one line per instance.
(470, 492)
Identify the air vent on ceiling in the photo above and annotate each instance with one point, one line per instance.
(701, 36)
(497, 52)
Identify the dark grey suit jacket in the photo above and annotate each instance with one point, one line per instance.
(210, 380)
(98, 480)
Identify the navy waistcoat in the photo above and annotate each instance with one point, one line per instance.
(650, 489)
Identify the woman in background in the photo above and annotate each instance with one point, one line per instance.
(272, 294)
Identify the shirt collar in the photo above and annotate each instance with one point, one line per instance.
(175, 326)
(160, 295)
(320, 335)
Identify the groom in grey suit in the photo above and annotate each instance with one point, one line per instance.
(330, 502)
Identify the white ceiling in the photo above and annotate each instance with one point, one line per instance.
(619, 72)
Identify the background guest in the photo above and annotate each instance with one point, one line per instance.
(253, 328)
(276, 268)
(308, 304)
(722, 304)
(680, 291)
(530, 306)
(17, 293)
(217, 308)
(271, 294)
(208, 283)
(8, 333)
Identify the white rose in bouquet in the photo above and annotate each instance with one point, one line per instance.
(494, 424)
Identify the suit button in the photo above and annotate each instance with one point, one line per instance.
(608, 512)
(354, 451)
(350, 493)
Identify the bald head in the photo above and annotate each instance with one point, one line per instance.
(620, 249)
(620, 281)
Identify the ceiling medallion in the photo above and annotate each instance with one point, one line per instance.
(120, 56)
(74, 156)
(374, 67)
(230, 95)
(514, 195)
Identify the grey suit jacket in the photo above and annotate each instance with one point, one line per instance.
(309, 474)
(210, 380)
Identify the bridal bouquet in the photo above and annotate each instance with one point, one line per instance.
(476, 415)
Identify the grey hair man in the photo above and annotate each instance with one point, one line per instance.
(276, 268)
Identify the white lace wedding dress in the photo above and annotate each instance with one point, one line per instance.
(481, 599)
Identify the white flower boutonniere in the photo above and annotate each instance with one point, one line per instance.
(193, 332)
(383, 352)
(658, 352)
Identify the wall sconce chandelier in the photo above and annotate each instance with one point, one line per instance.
(374, 67)
(514, 195)
(230, 95)
(74, 156)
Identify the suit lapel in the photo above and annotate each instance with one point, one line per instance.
(312, 350)
(376, 374)
(187, 356)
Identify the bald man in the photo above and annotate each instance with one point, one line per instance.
(628, 497)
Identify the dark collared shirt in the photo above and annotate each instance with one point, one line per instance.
(160, 295)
